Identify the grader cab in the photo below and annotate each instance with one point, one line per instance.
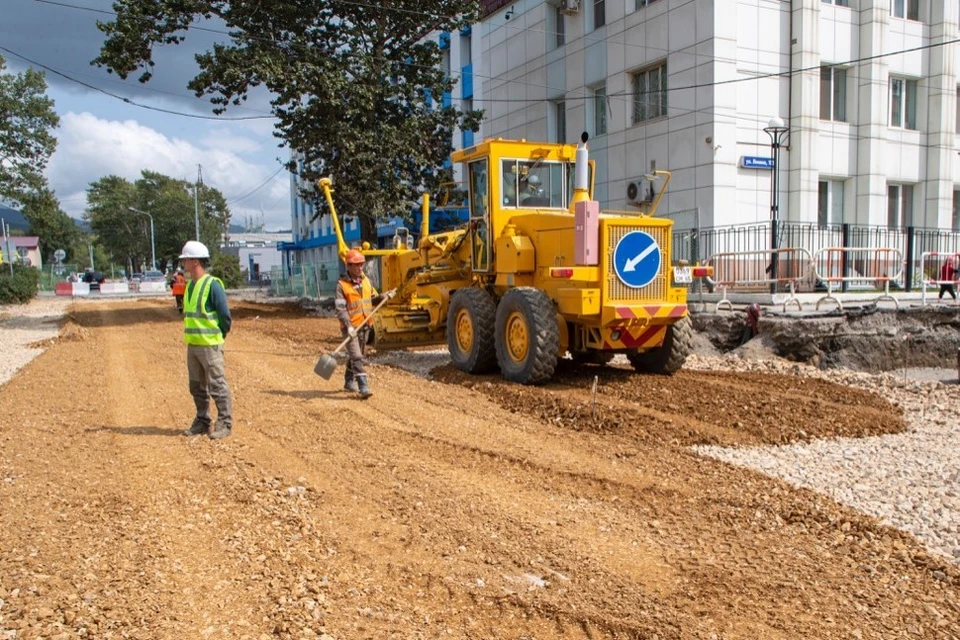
(538, 272)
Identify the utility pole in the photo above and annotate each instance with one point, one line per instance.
(6, 242)
(196, 202)
(153, 244)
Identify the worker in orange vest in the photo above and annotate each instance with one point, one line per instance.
(178, 288)
(354, 302)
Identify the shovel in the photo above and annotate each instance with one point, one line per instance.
(327, 364)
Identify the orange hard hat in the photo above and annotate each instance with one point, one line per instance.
(354, 257)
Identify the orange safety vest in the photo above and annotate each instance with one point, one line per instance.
(179, 287)
(359, 303)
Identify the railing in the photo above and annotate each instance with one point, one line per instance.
(696, 244)
(860, 265)
(752, 269)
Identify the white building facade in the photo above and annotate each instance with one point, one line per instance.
(869, 89)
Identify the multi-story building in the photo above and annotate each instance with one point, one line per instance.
(868, 89)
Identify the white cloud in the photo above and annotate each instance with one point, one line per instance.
(89, 148)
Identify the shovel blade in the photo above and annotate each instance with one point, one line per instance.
(325, 366)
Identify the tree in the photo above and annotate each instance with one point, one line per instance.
(27, 120)
(126, 234)
(352, 83)
(54, 228)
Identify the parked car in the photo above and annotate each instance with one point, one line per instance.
(154, 276)
(94, 279)
(136, 277)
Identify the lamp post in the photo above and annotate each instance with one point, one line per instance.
(778, 132)
(153, 245)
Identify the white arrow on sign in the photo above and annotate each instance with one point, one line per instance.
(633, 262)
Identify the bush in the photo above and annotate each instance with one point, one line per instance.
(227, 268)
(21, 287)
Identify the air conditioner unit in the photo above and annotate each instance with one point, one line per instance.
(569, 7)
(639, 193)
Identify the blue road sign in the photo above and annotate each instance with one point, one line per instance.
(637, 259)
(755, 162)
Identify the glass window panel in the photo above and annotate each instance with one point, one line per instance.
(893, 205)
(823, 204)
(911, 105)
(825, 93)
(840, 95)
(600, 111)
(896, 102)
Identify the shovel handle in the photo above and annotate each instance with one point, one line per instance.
(368, 319)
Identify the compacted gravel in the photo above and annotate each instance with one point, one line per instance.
(910, 480)
(593, 506)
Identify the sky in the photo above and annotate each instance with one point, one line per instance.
(102, 135)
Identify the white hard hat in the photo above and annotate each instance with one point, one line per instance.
(194, 249)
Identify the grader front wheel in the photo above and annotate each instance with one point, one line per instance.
(668, 358)
(527, 338)
(470, 323)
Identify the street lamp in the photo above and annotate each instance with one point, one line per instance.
(778, 132)
(153, 245)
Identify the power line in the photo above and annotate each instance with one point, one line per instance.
(128, 100)
(260, 186)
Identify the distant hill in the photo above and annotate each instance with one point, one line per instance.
(13, 218)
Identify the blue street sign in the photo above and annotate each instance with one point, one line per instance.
(637, 259)
(755, 162)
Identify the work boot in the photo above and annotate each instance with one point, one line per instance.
(365, 389)
(350, 386)
(198, 428)
(220, 431)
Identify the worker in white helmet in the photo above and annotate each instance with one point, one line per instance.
(206, 322)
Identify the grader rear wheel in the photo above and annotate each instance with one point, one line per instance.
(668, 358)
(470, 325)
(527, 338)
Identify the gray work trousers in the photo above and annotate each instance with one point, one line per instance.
(205, 371)
(355, 355)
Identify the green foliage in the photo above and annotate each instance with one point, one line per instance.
(353, 84)
(126, 234)
(227, 268)
(54, 228)
(27, 119)
(21, 287)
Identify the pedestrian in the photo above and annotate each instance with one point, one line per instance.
(178, 288)
(948, 275)
(206, 322)
(354, 302)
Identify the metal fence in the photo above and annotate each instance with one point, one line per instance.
(698, 245)
(309, 280)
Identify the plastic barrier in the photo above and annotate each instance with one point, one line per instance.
(153, 287)
(937, 282)
(752, 268)
(72, 289)
(868, 265)
(114, 287)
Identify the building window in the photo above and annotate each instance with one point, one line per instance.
(599, 13)
(830, 203)
(899, 206)
(957, 130)
(560, 27)
(560, 121)
(650, 93)
(955, 222)
(445, 54)
(465, 53)
(909, 9)
(839, 3)
(600, 110)
(903, 103)
(833, 94)
(639, 4)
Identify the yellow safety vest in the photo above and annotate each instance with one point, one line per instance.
(359, 303)
(200, 327)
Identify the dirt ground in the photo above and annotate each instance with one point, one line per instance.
(457, 507)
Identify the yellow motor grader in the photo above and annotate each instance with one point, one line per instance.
(537, 272)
